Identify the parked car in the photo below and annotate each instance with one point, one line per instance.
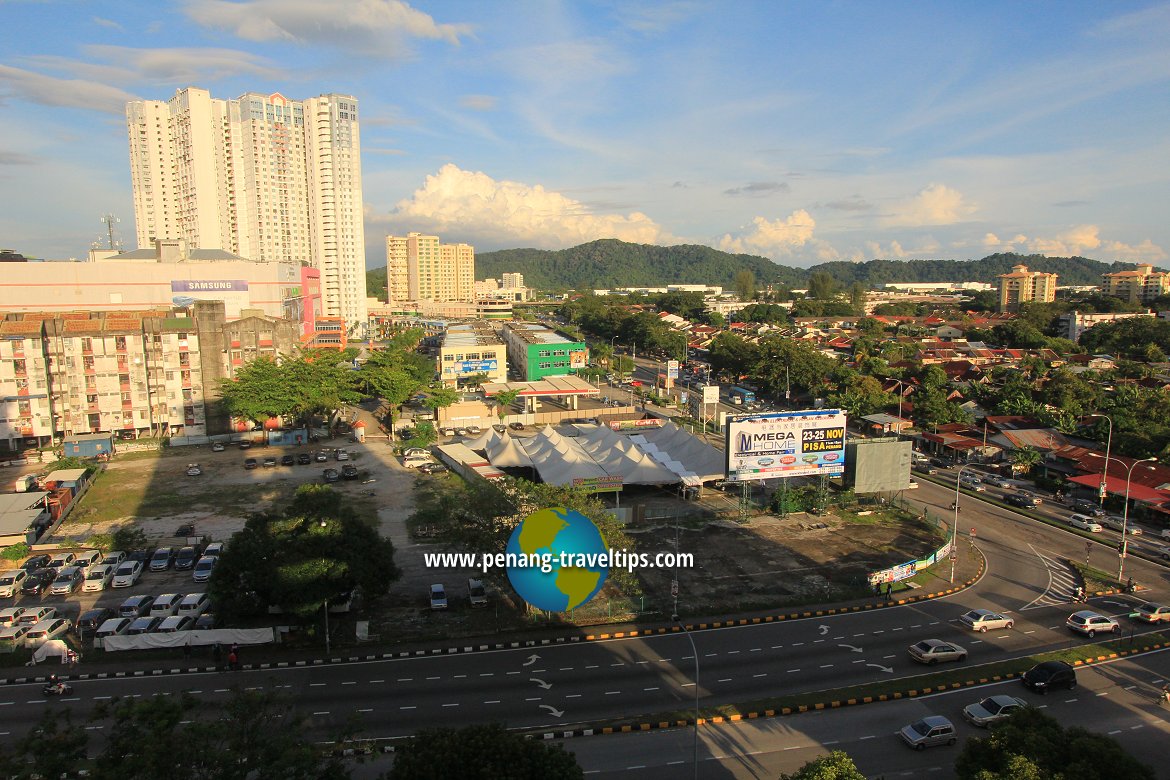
(1043, 677)
(144, 625)
(36, 562)
(1085, 523)
(330, 475)
(933, 651)
(203, 569)
(46, 630)
(186, 558)
(193, 470)
(1091, 623)
(414, 461)
(61, 561)
(135, 606)
(13, 636)
(115, 626)
(992, 709)
(33, 615)
(10, 616)
(498, 428)
(321, 456)
(250, 463)
(87, 558)
(1118, 524)
(114, 558)
(166, 604)
(194, 604)
(304, 459)
(175, 623)
(91, 620)
(474, 430)
(985, 619)
(288, 460)
(11, 581)
(66, 581)
(37, 582)
(127, 574)
(438, 596)
(214, 548)
(162, 559)
(270, 462)
(341, 455)
(245, 445)
(349, 471)
(410, 452)
(204, 622)
(217, 447)
(433, 468)
(98, 578)
(1152, 613)
(516, 426)
(476, 594)
(928, 732)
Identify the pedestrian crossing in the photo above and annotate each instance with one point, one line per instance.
(1062, 583)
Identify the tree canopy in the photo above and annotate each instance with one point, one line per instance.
(311, 382)
(482, 752)
(315, 549)
(835, 766)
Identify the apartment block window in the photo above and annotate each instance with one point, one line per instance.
(126, 398)
(18, 366)
(91, 398)
(120, 342)
(86, 345)
(87, 363)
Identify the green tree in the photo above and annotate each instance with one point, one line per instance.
(316, 549)
(822, 286)
(714, 319)
(1131, 337)
(1025, 458)
(54, 747)
(835, 766)
(260, 390)
(745, 285)
(482, 751)
(857, 294)
(441, 398)
(503, 402)
(763, 313)
(860, 395)
(1030, 745)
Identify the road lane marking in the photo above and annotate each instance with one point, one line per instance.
(790, 671)
(320, 713)
(565, 669)
(762, 674)
(452, 705)
(610, 665)
(733, 652)
(725, 679)
(870, 736)
(857, 635)
(649, 689)
(1030, 632)
(756, 650)
(1103, 693)
(460, 676)
(892, 629)
(434, 678)
(311, 685)
(408, 708)
(797, 644)
(885, 657)
(347, 682)
(534, 698)
(1115, 731)
(591, 666)
(366, 710)
(512, 672)
(492, 701)
(578, 696)
(487, 674)
(411, 679)
(826, 666)
(613, 693)
(376, 682)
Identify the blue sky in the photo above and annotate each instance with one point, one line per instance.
(803, 132)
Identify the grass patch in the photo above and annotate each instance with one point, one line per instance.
(1095, 579)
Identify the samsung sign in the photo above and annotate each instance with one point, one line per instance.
(209, 285)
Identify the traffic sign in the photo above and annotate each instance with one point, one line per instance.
(972, 533)
(954, 555)
(674, 587)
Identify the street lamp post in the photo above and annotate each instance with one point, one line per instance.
(323, 525)
(901, 388)
(1108, 445)
(695, 654)
(955, 526)
(1123, 548)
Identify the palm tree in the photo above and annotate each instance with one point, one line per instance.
(504, 402)
(1025, 458)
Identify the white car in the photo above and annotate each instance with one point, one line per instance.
(972, 483)
(438, 596)
(127, 574)
(999, 482)
(1091, 623)
(1085, 523)
(10, 582)
(114, 558)
(98, 578)
(1117, 524)
(46, 630)
(166, 605)
(1152, 613)
(992, 709)
(984, 619)
(193, 470)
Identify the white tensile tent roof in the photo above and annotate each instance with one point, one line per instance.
(674, 447)
(506, 452)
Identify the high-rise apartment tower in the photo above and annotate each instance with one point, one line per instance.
(419, 268)
(264, 177)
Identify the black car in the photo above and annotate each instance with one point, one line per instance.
(288, 460)
(36, 562)
(204, 622)
(516, 426)
(1042, 678)
(37, 582)
(250, 464)
(1022, 502)
(187, 557)
(331, 475)
(304, 459)
(349, 472)
(91, 620)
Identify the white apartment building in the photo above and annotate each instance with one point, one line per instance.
(511, 281)
(261, 176)
(420, 268)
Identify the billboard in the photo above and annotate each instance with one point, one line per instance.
(878, 465)
(233, 292)
(610, 484)
(672, 369)
(477, 366)
(578, 358)
(710, 394)
(785, 444)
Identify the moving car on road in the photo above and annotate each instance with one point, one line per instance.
(1085, 523)
(1118, 524)
(928, 732)
(933, 651)
(1152, 613)
(1091, 623)
(992, 709)
(984, 619)
(1043, 677)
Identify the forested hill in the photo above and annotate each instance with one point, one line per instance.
(610, 263)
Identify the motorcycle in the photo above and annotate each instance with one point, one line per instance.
(60, 689)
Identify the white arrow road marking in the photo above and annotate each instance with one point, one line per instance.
(531, 660)
(540, 682)
(552, 710)
(851, 647)
(824, 630)
(886, 669)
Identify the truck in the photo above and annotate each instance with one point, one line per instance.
(741, 396)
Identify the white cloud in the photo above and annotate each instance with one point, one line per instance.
(380, 28)
(66, 93)
(479, 208)
(185, 65)
(110, 23)
(1080, 240)
(935, 205)
(772, 238)
(478, 102)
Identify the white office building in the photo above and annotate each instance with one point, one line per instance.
(267, 178)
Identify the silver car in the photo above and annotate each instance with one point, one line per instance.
(928, 732)
(984, 619)
(1152, 613)
(933, 651)
(992, 709)
(1090, 623)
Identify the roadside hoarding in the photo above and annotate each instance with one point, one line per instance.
(672, 369)
(634, 425)
(610, 484)
(710, 394)
(785, 444)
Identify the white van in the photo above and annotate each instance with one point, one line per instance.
(12, 636)
(414, 461)
(194, 604)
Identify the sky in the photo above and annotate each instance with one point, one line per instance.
(800, 131)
